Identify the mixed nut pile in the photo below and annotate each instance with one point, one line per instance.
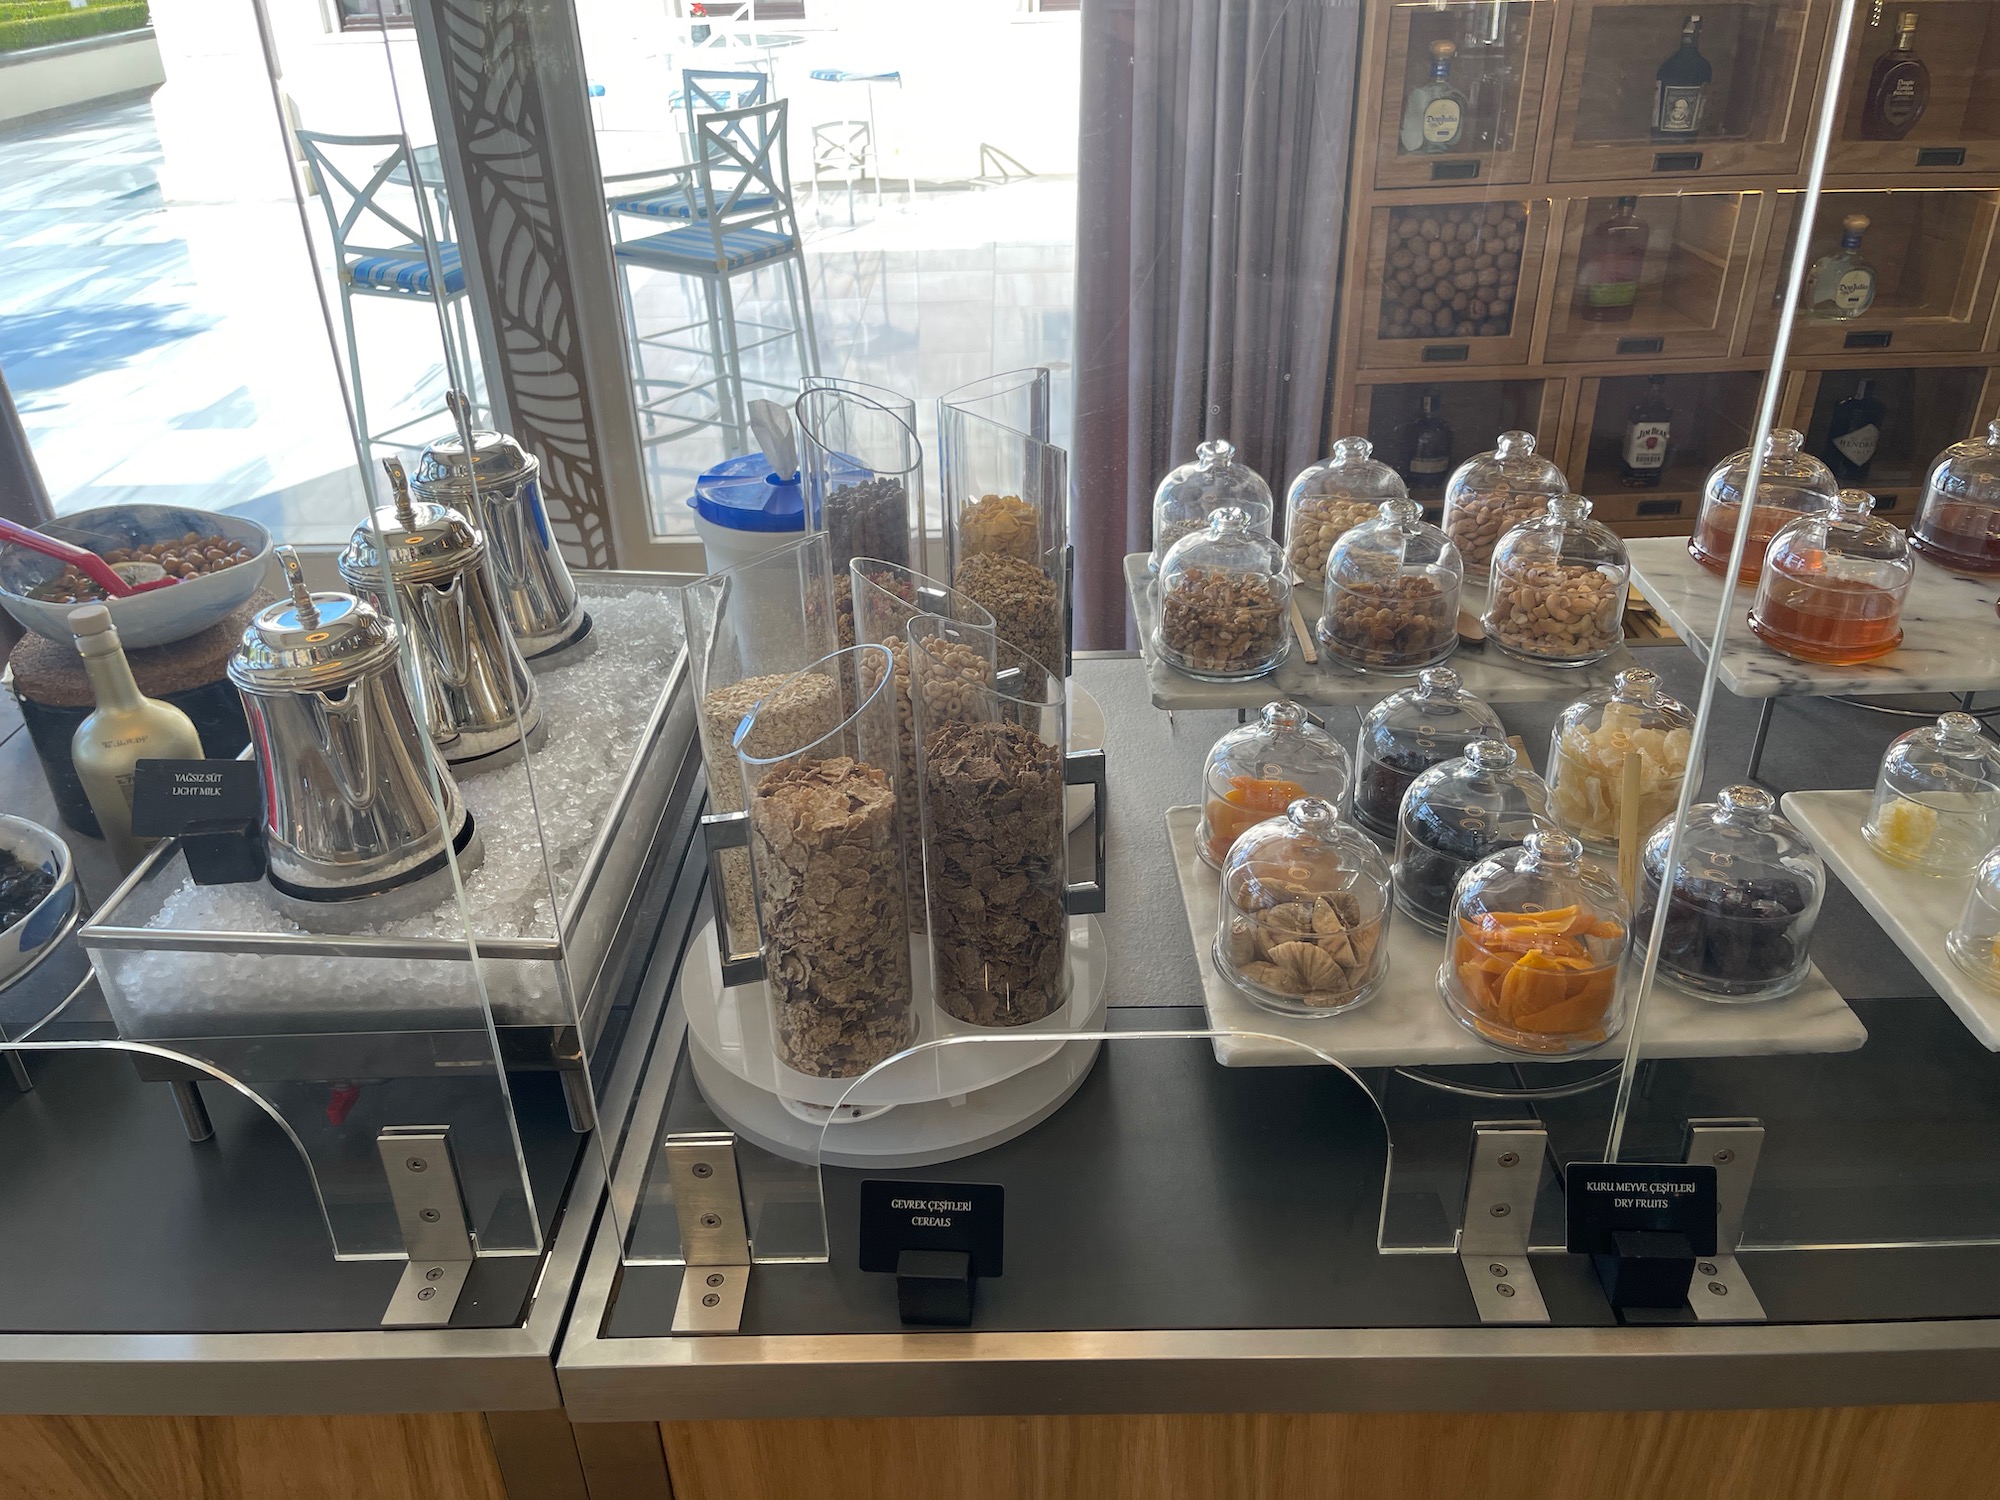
(1318, 521)
(1214, 620)
(1475, 522)
(1394, 623)
(1558, 611)
(189, 556)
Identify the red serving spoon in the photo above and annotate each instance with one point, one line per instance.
(105, 575)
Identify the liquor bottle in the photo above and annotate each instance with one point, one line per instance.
(1648, 432)
(1429, 461)
(1852, 433)
(1841, 283)
(1682, 89)
(1899, 90)
(1609, 266)
(1434, 114)
(126, 727)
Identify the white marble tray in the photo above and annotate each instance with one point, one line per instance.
(1492, 675)
(1406, 1025)
(1915, 910)
(1951, 639)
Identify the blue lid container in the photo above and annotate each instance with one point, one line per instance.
(743, 494)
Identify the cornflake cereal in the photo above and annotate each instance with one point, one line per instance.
(1003, 524)
(829, 865)
(1589, 769)
(994, 812)
(810, 709)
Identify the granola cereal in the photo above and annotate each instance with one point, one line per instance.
(994, 813)
(809, 709)
(829, 865)
(1214, 620)
(1005, 524)
(1026, 607)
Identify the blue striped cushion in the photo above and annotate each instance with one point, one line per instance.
(694, 248)
(406, 269)
(675, 204)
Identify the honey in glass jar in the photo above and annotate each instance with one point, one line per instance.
(1833, 585)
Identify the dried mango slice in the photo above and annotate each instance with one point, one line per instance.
(1263, 797)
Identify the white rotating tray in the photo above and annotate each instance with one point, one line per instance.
(1915, 910)
(733, 1026)
(1489, 672)
(1406, 1024)
(1951, 640)
(911, 1135)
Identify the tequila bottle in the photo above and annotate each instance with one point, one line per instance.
(1841, 283)
(1434, 115)
(1429, 460)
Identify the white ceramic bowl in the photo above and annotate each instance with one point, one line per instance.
(22, 944)
(159, 615)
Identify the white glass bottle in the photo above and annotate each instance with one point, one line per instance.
(1841, 283)
(125, 728)
(1434, 113)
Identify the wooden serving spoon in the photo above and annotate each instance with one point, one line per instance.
(116, 579)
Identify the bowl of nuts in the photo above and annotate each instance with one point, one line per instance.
(215, 560)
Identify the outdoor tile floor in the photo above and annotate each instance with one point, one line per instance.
(176, 351)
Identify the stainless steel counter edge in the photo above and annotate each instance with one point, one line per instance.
(1275, 1370)
(388, 1370)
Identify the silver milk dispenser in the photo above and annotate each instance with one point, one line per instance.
(352, 783)
(494, 480)
(478, 695)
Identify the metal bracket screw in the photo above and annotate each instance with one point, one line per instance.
(416, 1164)
(702, 1169)
(1497, 1269)
(1706, 1267)
(425, 1293)
(710, 1221)
(1718, 1288)
(1724, 1157)
(435, 1273)
(1503, 1289)
(716, 1278)
(429, 1215)
(711, 1299)
(1509, 1159)
(1501, 1210)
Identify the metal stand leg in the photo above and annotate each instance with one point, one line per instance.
(193, 1113)
(582, 1108)
(1757, 744)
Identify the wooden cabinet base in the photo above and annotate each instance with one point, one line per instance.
(446, 1456)
(1861, 1453)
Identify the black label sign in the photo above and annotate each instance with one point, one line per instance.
(899, 1216)
(171, 796)
(1605, 1197)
